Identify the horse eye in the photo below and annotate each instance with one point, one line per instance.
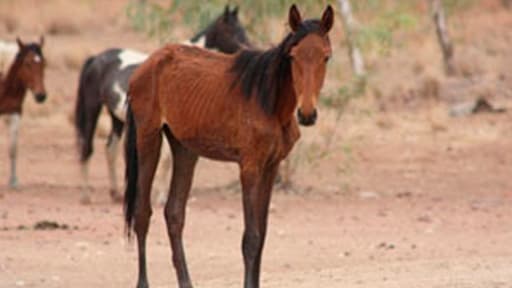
(327, 58)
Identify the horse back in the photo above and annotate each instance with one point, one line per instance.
(192, 91)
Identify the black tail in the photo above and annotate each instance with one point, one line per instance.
(132, 170)
(81, 103)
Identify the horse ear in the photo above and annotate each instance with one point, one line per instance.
(225, 16)
(20, 43)
(234, 13)
(41, 41)
(328, 18)
(294, 18)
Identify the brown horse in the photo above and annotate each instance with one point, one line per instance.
(236, 108)
(26, 72)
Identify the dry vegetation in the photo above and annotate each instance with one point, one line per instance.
(386, 165)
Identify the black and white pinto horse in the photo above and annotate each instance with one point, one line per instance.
(104, 81)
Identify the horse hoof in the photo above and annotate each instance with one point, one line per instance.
(85, 200)
(13, 184)
(142, 285)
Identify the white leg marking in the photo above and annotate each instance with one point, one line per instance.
(161, 188)
(85, 198)
(130, 57)
(120, 109)
(112, 149)
(14, 126)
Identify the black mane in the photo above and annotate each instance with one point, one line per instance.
(264, 73)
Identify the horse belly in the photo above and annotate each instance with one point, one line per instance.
(213, 149)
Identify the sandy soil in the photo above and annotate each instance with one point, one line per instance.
(396, 197)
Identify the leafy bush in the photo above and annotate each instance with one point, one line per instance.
(157, 20)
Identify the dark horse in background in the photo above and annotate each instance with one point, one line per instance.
(237, 108)
(104, 81)
(25, 73)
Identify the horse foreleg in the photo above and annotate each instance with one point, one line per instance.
(257, 190)
(148, 146)
(184, 162)
(14, 126)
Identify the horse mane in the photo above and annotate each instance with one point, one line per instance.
(201, 33)
(265, 73)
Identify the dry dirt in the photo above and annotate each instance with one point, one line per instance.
(396, 197)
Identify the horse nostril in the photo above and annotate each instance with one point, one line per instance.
(314, 115)
(40, 97)
(307, 120)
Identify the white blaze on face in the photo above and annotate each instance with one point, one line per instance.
(131, 57)
(120, 109)
(37, 59)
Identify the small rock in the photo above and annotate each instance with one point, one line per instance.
(22, 227)
(368, 195)
(424, 219)
(82, 245)
(405, 194)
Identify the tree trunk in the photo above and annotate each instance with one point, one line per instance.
(351, 30)
(443, 37)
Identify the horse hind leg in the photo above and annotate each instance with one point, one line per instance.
(148, 155)
(14, 126)
(86, 148)
(112, 152)
(163, 177)
(184, 162)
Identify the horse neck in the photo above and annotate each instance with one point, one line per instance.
(12, 87)
(286, 104)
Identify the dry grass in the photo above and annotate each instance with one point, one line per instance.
(62, 26)
(74, 59)
(9, 22)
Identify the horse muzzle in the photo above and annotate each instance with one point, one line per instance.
(307, 120)
(40, 97)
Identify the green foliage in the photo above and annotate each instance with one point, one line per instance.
(452, 6)
(157, 20)
(150, 18)
(385, 18)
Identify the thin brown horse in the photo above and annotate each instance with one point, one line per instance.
(26, 72)
(236, 108)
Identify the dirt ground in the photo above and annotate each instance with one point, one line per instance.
(405, 196)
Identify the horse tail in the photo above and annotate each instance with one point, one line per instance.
(81, 113)
(131, 172)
